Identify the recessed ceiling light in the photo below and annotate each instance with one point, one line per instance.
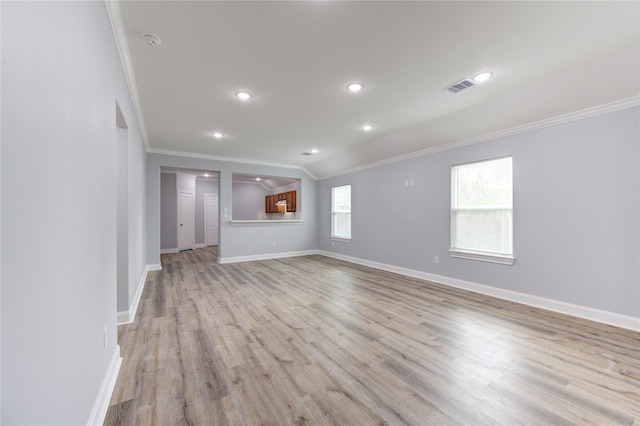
(314, 151)
(483, 76)
(206, 175)
(367, 127)
(355, 87)
(217, 135)
(258, 179)
(245, 96)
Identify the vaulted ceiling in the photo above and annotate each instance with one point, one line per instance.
(296, 59)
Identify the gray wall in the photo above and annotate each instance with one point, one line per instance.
(203, 186)
(576, 213)
(248, 200)
(236, 240)
(61, 79)
(169, 211)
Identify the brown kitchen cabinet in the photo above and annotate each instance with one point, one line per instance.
(270, 201)
(290, 197)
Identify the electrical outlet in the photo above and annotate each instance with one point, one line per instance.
(436, 259)
(104, 337)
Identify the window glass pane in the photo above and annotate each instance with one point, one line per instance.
(484, 184)
(342, 199)
(342, 225)
(481, 230)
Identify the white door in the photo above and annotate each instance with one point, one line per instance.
(186, 219)
(211, 219)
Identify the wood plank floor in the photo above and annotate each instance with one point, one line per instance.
(314, 340)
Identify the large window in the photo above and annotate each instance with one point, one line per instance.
(341, 212)
(482, 211)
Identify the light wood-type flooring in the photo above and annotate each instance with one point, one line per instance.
(314, 340)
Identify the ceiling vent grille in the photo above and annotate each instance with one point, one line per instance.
(459, 86)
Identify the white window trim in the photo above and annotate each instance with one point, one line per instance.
(337, 237)
(341, 239)
(503, 259)
(491, 257)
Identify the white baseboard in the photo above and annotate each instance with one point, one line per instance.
(169, 251)
(200, 245)
(585, 312)
(101, 405)
(267, 256)
(129, 316)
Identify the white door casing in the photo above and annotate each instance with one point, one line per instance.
(186, 220)
(211, 219)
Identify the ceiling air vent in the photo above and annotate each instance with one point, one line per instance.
(459, 86)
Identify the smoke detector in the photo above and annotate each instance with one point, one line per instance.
(151, 40)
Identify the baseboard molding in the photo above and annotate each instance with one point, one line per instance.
(154, 267)
(605, 317)
(129, 316)
(169, 251)
(200, 246)
(101, 405)
(223, 260)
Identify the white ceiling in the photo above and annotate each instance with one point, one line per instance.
(296, 58)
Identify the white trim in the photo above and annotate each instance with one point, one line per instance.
(223, 260)
(101, 404)
(199, 246)
(549, 122)
(119, 33)
(228, 160)
(129, 316)
(503, 259)
(154, 267)
(341, 239)
(169, 251)
(605, 317)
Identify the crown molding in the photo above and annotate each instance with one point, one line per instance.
(117, 26)
(228, 160)
(536, 125)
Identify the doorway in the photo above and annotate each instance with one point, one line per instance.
(189, 197)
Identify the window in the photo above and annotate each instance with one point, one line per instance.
(341, 212)
(482, 211)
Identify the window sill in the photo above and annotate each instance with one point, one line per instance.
(341, 239)
(502, 259)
